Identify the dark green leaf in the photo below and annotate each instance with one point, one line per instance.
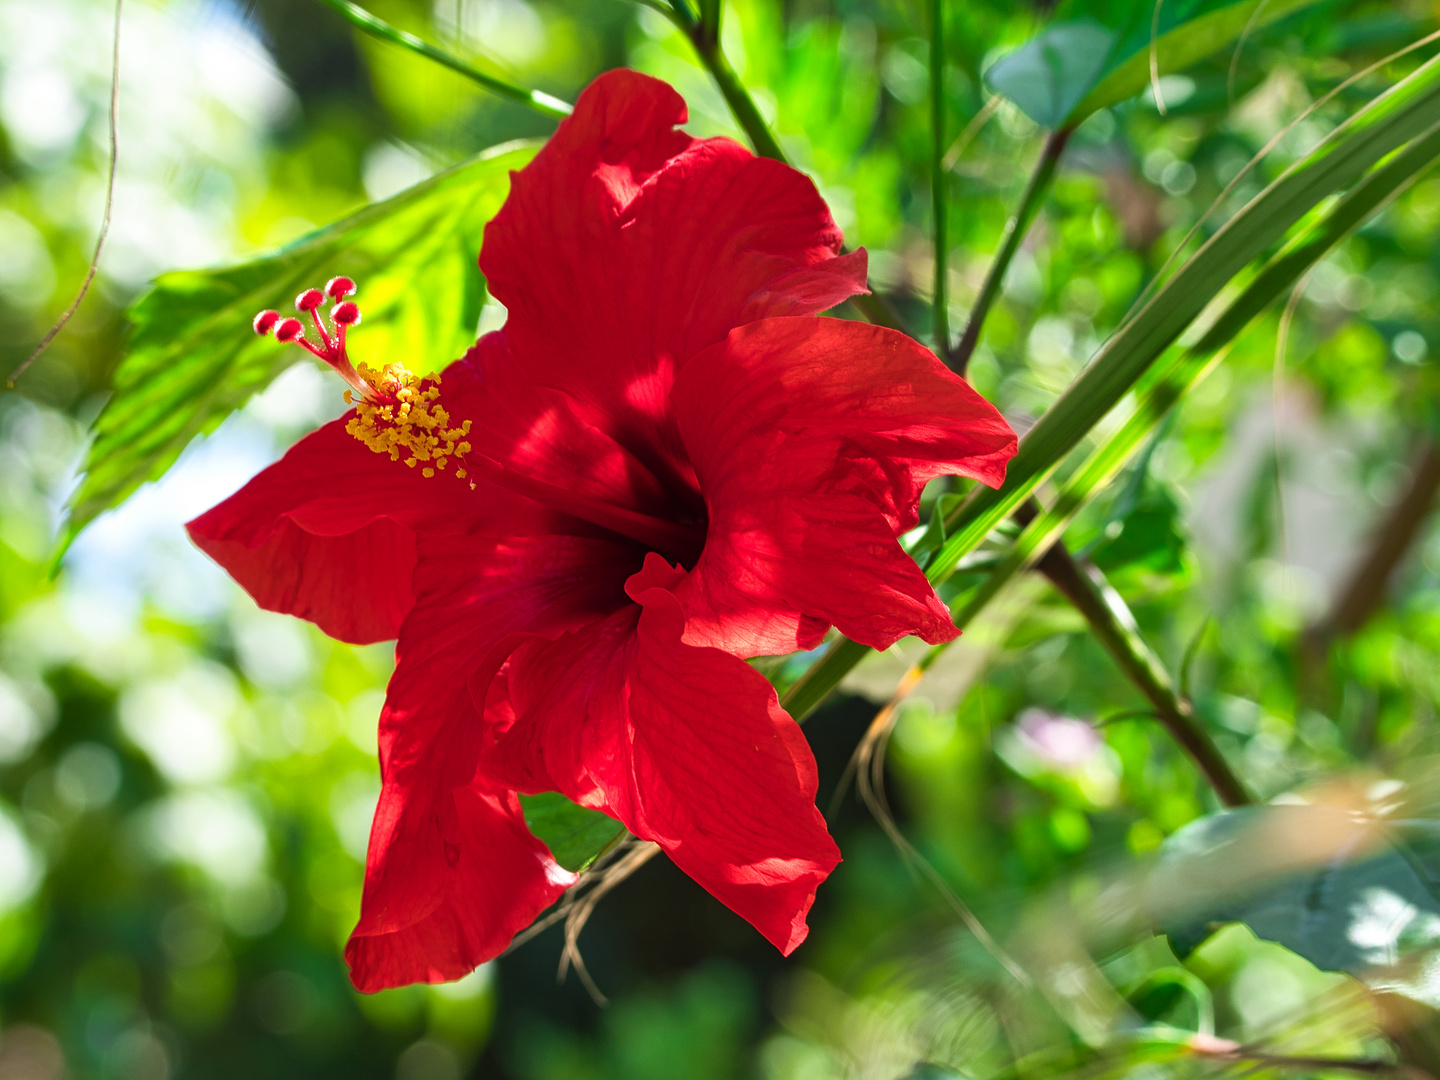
(1100, 53)
(192, 357)
(1345, 897)
(1147, 536)
(1050, 74)
(1175, 997)
(575, 835)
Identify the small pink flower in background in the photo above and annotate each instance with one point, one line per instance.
(1061, 743)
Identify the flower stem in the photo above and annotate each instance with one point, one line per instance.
(939, 186)
(379, 28)
(1114, 626)
(1015, 230)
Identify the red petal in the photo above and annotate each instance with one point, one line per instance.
(486, 880)
(812, 439)
(324, 534)
(687, 746)
(625, 248)
(452, 874)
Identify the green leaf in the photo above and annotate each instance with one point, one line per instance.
(1175, 997)
(1311, 878)
(192, 357)
(1050, 74)
(1099, 54)
(576, 835)
(1146, 536)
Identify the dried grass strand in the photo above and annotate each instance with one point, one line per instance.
(579, 903)
(867, 766)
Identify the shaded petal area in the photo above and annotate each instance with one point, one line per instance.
(452, 873)
(812, 439)
(626, 247)
(687, 746)
(549, 440)
(326, 533)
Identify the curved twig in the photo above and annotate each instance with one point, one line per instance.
(69, 312)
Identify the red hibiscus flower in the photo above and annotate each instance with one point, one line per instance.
(663, 463)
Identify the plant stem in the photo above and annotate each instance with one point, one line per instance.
(1114, 626)
(379, 28)
(704, 35)
(1015, 230)
(939, 188)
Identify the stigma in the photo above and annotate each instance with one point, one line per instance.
(396, 412)
(329, 345)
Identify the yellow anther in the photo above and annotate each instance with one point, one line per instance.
(405, 417)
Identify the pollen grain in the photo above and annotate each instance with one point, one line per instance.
(404, 417)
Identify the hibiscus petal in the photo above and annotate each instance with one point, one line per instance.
(452, 873)
(687, 746)
(325, 534)
(487, 885)
(812, 439)
(626, 247)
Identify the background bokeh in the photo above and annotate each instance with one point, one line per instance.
(186, 782)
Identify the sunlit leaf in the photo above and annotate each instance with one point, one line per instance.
(192, 357)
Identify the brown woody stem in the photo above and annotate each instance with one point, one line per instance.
(1114, 627)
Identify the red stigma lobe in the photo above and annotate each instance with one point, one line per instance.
(331, 344)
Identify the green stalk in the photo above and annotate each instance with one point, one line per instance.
(1015, 229)
(361, 19)
(1135, 357)
(747, 115)
(704, 35)
(939, 186)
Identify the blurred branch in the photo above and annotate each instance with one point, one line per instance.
(69, 312)
(379, 28)
(939, 186)
(1365, 591)
(1015, 230)
(1114, 627)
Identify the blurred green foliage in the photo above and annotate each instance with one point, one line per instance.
(186, 783)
